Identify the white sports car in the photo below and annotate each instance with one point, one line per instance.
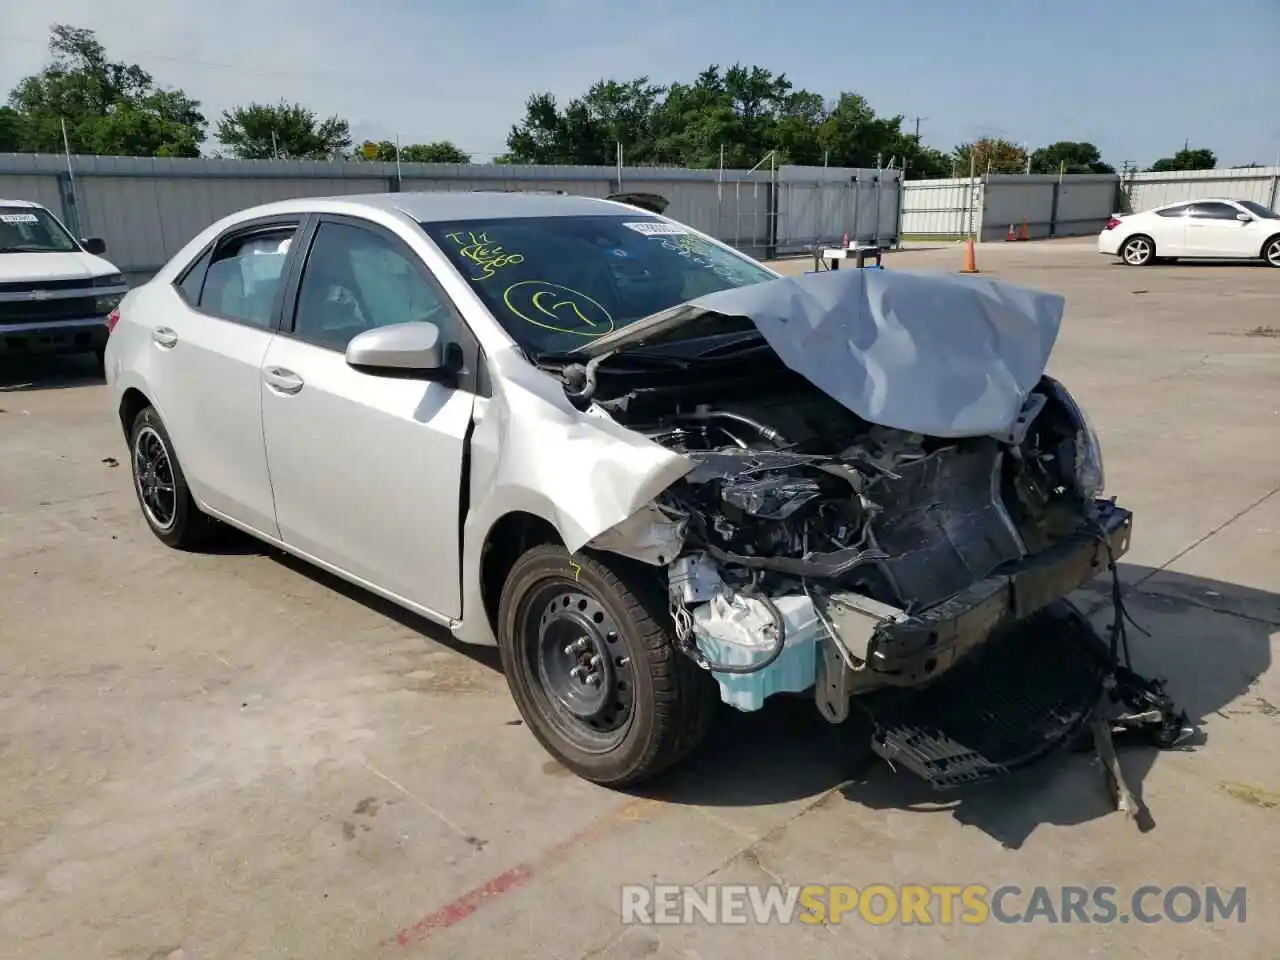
(1217, 229)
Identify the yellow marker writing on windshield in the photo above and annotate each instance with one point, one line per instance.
(540, 302)
(490, 258)
(555, 307)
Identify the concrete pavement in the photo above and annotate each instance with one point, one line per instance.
(232, 755)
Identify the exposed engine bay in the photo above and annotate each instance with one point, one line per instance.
(811, 549)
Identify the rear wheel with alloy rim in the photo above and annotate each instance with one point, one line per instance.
(1138, 251)
(590, 656)
(161, 488)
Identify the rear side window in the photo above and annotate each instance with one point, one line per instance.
(192, 282)
(243, 276)
(1178, 211)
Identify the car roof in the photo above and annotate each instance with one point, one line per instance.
(20, 203)
(442, 206)
(1183, 203)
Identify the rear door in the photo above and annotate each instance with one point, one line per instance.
(203, 366)
(367, 469)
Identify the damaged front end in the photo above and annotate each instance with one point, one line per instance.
(874, 504)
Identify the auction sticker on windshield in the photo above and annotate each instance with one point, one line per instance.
(19, 218)
(652, 228)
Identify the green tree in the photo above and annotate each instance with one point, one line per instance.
(10, 130)
(1070, 156)
(738, 115)
(108, 107)
(441, 151)
(1187, 159)
(261, 131)
(990, 155)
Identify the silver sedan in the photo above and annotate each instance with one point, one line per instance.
(655, 473)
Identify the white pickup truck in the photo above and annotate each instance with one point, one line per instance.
(55, 291)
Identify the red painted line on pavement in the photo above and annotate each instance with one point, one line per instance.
(458, 909)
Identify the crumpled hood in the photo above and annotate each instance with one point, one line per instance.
(937, 354)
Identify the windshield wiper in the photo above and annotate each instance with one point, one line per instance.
(26, 248)
(746, 344)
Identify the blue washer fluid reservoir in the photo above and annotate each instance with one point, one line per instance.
(735, 629)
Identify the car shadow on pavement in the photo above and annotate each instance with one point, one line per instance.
(1209, 640)
(485, 656)
(48, 373)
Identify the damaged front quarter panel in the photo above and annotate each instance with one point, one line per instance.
(531, 452)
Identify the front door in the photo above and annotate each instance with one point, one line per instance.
(366, 469)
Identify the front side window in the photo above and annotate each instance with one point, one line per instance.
(1259, 211)
(356, 279)
(243, 277)
(556, 282)
(33, 230)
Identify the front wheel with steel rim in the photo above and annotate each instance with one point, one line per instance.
(1138, 251)
(1271, 251)
(161, 488)
(590, 656)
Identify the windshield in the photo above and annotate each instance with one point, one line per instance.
(1258, 210)
(556, 282)
(32, 230)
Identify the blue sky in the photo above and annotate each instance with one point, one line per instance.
(1136, 77)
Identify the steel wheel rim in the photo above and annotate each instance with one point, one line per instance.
(1137, 251)
(153, 479)
(1273, 253)
(580, 668)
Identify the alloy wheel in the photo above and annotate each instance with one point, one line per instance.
(153, 477)
(1137, 251)
(1272, 253)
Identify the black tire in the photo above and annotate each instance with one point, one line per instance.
(1271, 251)
(171, 514)
(1138, 250)
(652, 704)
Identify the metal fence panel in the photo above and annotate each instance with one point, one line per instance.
(34, 188)
(1085, 204)
(938, 208)
(819, 206)
(1259, 184)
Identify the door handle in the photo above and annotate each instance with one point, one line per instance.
(282, 380)
(164, 336)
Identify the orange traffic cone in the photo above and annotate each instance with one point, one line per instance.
(970, 260)
(1024, 234)
(1009, 237)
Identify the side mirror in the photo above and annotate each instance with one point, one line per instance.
(94, 245)
(1243, 217)
(406, 349)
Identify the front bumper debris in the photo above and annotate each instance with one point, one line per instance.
(908, 650)
(1030, 690)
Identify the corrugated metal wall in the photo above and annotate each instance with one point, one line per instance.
(820, 205)
(1147, 190)
(940, 208)
(146, 209)
(1076, 205)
